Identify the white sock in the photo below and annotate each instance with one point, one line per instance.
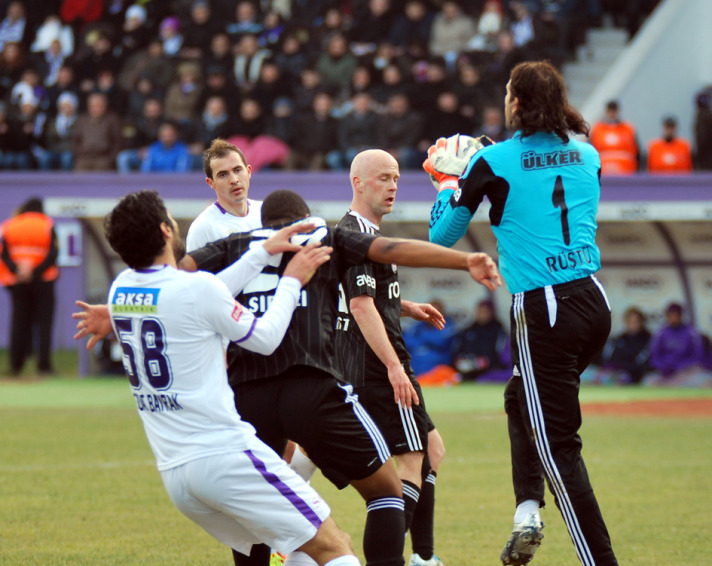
(524, 509)
(302, 464)
(348, 560)
(299, 558)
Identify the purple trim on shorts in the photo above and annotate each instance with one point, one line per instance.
(249, 333)
(220, 208)
(285, 490)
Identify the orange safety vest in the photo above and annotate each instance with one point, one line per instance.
(669, 156)
(616, 146)
(28, 238)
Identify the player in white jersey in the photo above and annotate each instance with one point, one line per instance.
(228, 174)
(170, 324)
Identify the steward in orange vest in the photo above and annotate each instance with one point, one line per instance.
(29, 248)
(669, 154)
(28, 270)
(616, 143)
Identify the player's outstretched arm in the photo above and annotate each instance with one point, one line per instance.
(423, 312)
(94, 322)
(416, 253)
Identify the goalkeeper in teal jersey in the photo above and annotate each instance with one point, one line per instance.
(544, 188)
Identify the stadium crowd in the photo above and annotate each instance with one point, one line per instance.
(145, 85)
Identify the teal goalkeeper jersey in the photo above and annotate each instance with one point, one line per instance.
(544, 195)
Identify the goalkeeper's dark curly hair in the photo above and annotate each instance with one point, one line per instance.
(133, 228)
(543, 103)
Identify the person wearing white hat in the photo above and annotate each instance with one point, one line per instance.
(57, 151)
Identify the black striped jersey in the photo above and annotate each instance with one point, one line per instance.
(357, 361)
(310, 337)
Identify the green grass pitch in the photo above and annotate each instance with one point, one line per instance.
(78, 485)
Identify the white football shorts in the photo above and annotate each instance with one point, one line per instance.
(246, 498)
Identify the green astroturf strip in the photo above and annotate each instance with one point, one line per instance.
(114, 392)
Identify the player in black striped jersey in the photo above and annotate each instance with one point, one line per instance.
(373, 356)
(293, 378)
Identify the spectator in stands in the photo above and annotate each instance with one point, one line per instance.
(677, 353)
(64, 83)
(281, 124)
(429, 347)
(49, 63)
(99, 57)
(29, 86)
(181, 100)
(12, 65)
(669, 153)
(411, 26)
(470, 90)
(291, 58)
(625, 358)
(400, 130)
(493, 124)
(97, 136)
(500, 65)
(248, 62)
(5, 135)
(332, 23)
(703, 131)
(451, 31)
(51, 30)
(135, 33)
(25, 127)
(168, 154)
(77, 13)
(150, 62)
(358, 131)
(393, 81)
(370, 26)
(308, 87)
(106, 84)
(270, 86)
(260, 150)
(489, 24)
(28, 269)
(199, 31)
(59, 132)
(445, 120)
(317, 132)
(138, 133)
(477, 350)
(218, 83)
(337, 63)
(428, 89)
(273, 28)
(246, 22)
(214, 122)
(220, 53)
(13, 25)
(616, 142)
(171, 37)
(522, 24)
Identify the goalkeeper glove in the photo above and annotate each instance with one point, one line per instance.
(448, 158)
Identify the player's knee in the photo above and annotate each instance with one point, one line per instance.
(329, 540)
(384, 482)
(436, 449)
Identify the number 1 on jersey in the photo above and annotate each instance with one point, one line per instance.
(558, 199)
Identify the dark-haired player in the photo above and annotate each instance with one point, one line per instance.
(544, 187)
(170, 325)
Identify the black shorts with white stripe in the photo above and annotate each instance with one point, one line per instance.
(405, 430)
(322, 415)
